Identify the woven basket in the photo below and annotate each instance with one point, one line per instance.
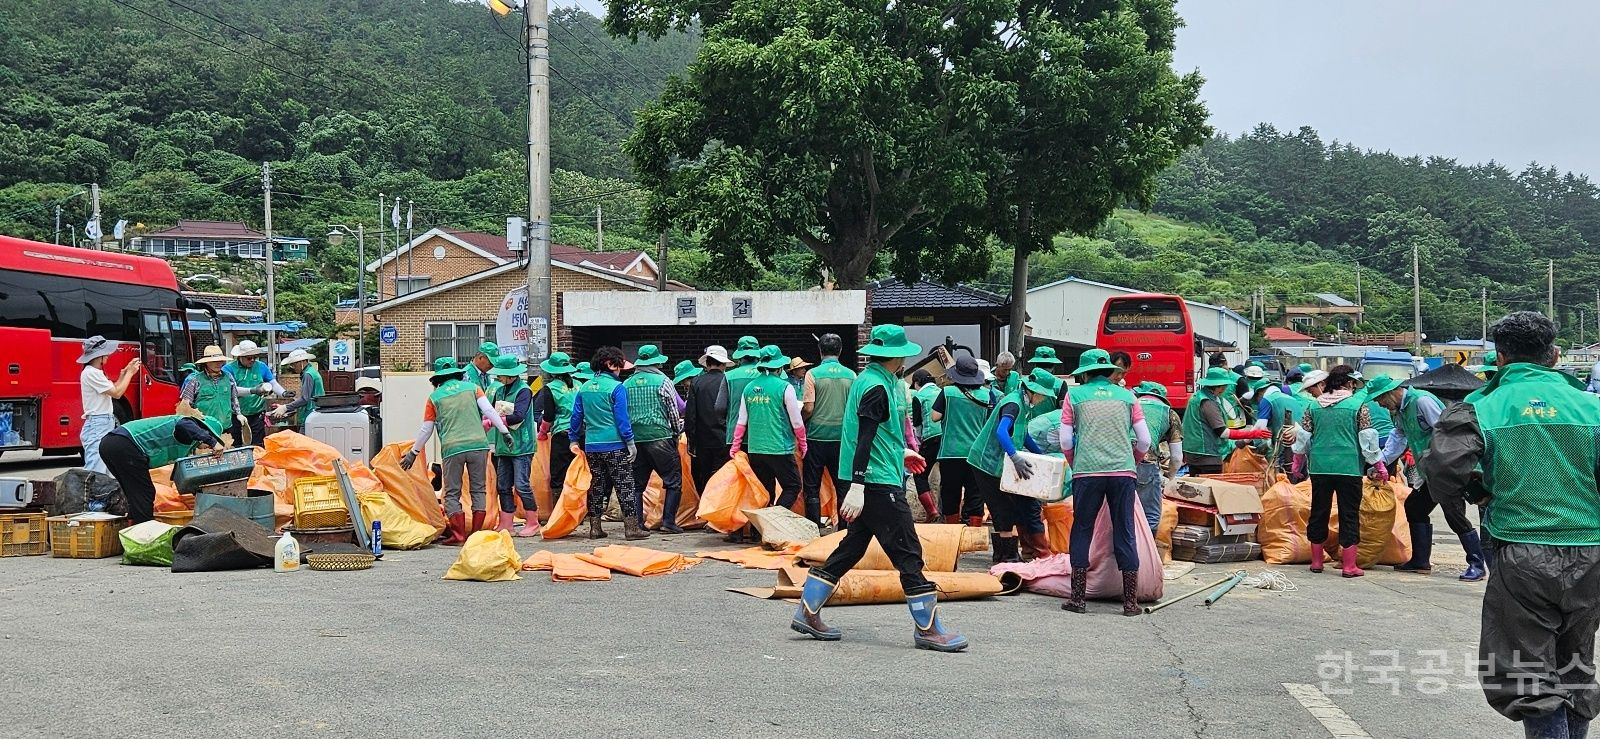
(340, 562)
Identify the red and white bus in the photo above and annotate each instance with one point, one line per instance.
(51, 298)
(1156, 331)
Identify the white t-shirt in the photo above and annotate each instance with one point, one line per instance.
(96, 391)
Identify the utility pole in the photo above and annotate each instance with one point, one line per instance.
(1416, 295)
(94, 199)
(537, 15)
(377, 274)
(57, 237)
(272, 305)
(1550, 295)
(599, 230)
(1361, 306)
(361, 295)
(1483, 295)
(661, 262)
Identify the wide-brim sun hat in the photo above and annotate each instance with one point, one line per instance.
(685, 370)
(1045, 355)
(489, 349)
(247, 348)
(1218, 377)
(716, 353)
(446, 367)
(584, 371)
(507, 365)
(986, 369)
(1152, 389)
(889, 341)
(212, 355)
(649, 356)
(1381, 385)
(965, 372)
(797, 363)
(1259, 383)
(1254, 372)
(298, 355)
(748, 346)
(96, 347)
(1042, 382)
(772, 358)
(557, 364)
(1094, 359)
(1314, 377)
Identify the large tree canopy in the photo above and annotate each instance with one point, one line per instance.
(917, 127)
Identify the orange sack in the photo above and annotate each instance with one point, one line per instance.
(573, 506)
(1058, 525)
(1379, 517)
(410, 489)
(568, 568)
(655, 496)
(638, 561)
(730, 491)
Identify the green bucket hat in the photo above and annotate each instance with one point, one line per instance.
(489, 349)
(771, 357)
(685, 370)
(1151, 388)
(1042, 382)
(214, 425)
(1490, 357)
(584, 372)
(748, 346)
(506, 365)
(1044, 355)
(558, 364)
(445, 366)
(1219, 377)
(1380, 385)
(889, 340)
(1261, 383)
(1094, 359)
(1305, 367)
(650, 355)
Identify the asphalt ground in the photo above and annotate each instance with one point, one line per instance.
(92, 648)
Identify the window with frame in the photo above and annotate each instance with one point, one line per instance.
(410, 284)
(457, 340)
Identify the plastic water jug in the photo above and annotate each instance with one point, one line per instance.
(286, 555)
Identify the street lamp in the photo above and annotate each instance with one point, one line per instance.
(336, 234)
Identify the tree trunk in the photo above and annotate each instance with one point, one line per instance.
(1019, 282)
(850, 260)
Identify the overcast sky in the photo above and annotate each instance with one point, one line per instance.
(1469, 79)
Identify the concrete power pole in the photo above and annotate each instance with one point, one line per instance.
(1416, 296)
(94, 200)
(1483, 296)
(1550, 289)
(1361, 306)
(58, 225)
(537, 14)
(599, 230)
(272, 306)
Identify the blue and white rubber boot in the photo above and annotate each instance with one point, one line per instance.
(930, 632)
(808, 615)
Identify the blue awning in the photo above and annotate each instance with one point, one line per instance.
(306, 344)
(282, 327)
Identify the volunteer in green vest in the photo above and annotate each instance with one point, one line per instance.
(131, 450)
(769, 428)
(255, 383)
(1417, 412)
(1158, 464)
(1005, 430)
(554, 402)
(211, 392)
(1296, 378)
(1275, 411)
(477, 371)
(1212, 422)
(1382, 422)
(682, 374)
(302, 362)
(1337, 445)
(822, 402)
(874, 443)
(653, 406)
(1103, 434)
(1006, 377)
(1044, 357)
(1524, 447)
(513, 457)
(747, 353)
(602, 428)
(961, 409)
(930, 435)
(457, 410)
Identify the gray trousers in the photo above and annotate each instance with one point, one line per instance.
(476, 465)
(1536, 646)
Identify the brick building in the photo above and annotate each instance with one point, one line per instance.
(443, 255)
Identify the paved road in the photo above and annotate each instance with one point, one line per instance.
(95, 649)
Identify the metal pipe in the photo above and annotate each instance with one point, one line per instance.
(1197, 591)
(1217, 594)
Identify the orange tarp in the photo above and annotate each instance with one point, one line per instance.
(688, 505)
(638, 561)
(942, 546)
(754, 558)
(573, 506)
(538, 561)
(410, 489)
(568, 568)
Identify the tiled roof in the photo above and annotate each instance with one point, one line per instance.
(1274, 333)
(892, 293)
(209, 230)
(491, 243)
(228, 301)
(1334, 300)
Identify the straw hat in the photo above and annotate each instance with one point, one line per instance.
(212, 355)
(247, 348)
(298, 355)
(797, 363)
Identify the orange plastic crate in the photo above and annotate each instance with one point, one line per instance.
(23, 535)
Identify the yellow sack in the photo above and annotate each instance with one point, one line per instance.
(400, 530)
(488, 556)
(1379, 504)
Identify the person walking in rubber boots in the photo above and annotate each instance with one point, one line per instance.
(1416, 412)
(603, 425)
(653, 406)
(1524, 446)
(873, 444)
(822, 402)
(456, 410)
(1335, 444)
(554, 402)
(1097, 421)
(513, 457)
(961, 409)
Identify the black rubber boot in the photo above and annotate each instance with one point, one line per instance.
(1005, 549)
(1421, 549)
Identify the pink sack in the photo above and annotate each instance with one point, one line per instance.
(1053, 575)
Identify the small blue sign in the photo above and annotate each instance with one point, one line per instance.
(388, 334)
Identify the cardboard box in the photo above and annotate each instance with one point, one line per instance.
(1230, 509)
(1204, 491)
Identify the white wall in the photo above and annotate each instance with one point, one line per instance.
(715, 308)
(404, 394)
(929, 337)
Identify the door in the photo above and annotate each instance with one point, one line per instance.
(158, 380)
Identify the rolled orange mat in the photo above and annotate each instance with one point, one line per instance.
(942, 546)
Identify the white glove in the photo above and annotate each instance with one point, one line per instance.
(265, 389)
(854, 500)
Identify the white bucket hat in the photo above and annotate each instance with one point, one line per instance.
(96, 347)
(369, 383)
(247, 348)
(298, 355)
(212, 354)
(1313, 377)
(715, 352)
(986, 368)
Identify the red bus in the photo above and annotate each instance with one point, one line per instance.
(1156, 331)
(51, 298)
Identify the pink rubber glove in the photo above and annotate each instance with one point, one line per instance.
(738, 441)
(544, 431)
(1379, 472)
(1248, 434)
(1297, 471)
(915, 462)
(800, 440)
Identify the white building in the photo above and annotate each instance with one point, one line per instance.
(1068, 311)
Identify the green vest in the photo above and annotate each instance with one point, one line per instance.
(599, 419)
(310, 388)
(986, 455)
(1013, 383)
(886, 462)
(1335, 447)
(214, 397)
(963, 419)
(1539, 432)
(458, 419)
(1417, 438)
(737, 378)
(931, 429)
(830, 383)
(644, 406)
(478, 378)
(1198, 438)
(249, 377)
(562, 393)
(1382, 422)
(767, 429)
(1282, 403)
(1102, 420)
(155, 437)
(525, 437)
(1039, 430)
(1157, 416)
